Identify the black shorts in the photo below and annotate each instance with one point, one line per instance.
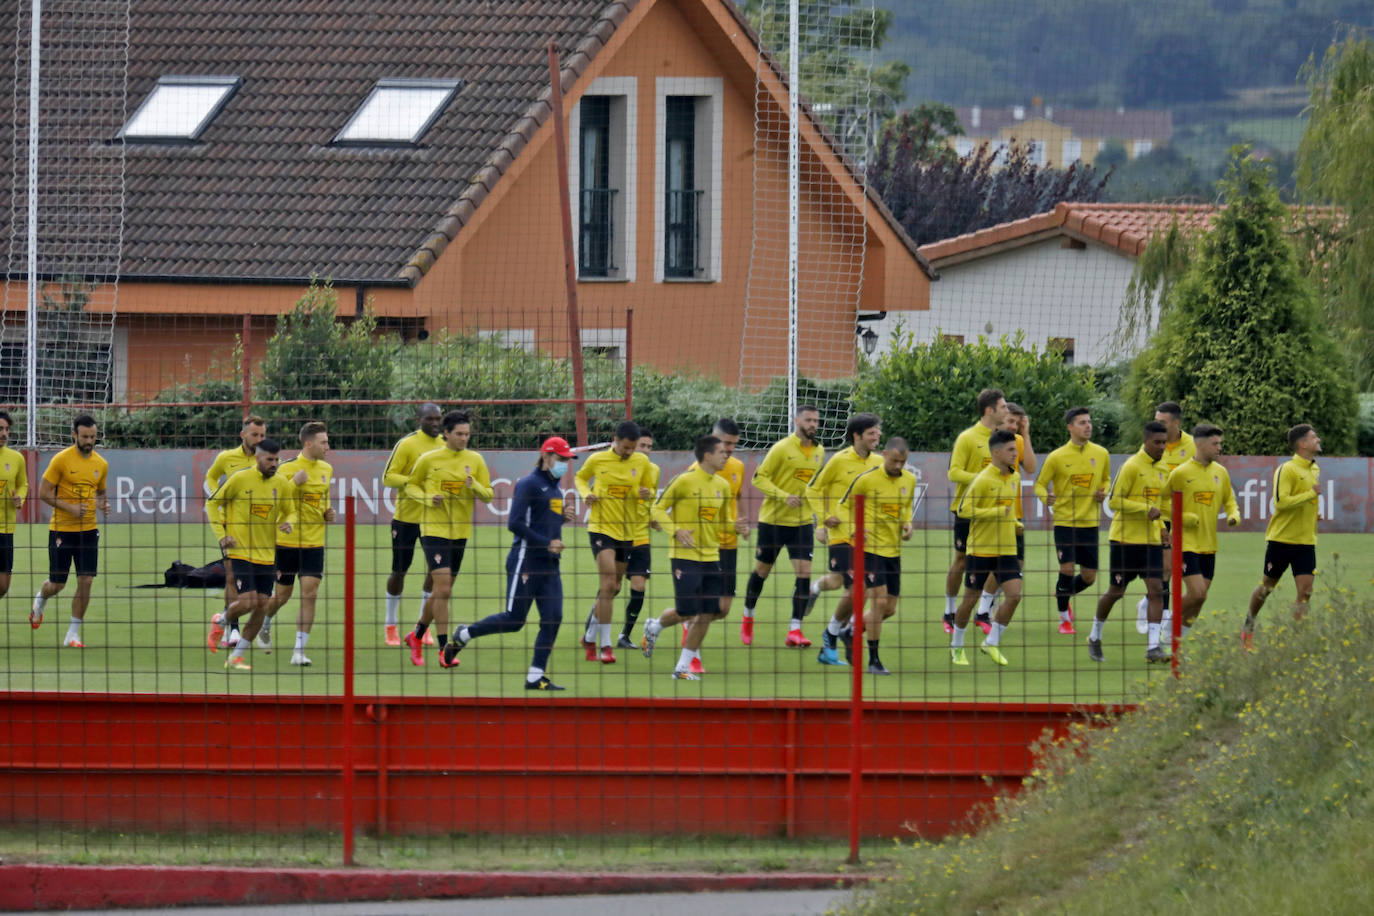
(884, 571)
(696, 587)
(1280, 557)
(800, 541)
(253, 577)
(444, 553)
(299, 561)
(1135, 561)
(1077, 545)
(842, 561)
(66, 547)
(6, 554)
(729, 564)
(640, 562)
(1004, 568)
(403, 538)
(961, 526)
(1199, 564)
(602, 542)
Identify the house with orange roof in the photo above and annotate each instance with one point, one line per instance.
(1059, 278)
(404, 150)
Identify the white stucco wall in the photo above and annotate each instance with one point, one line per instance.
(1042, 289)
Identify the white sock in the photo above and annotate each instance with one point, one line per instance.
(266, 630)
(995, 637)
(1186, 628)
(796, 623)
(696, 653)
(816, 589)
(302, 638)
(74, 629)
(1142, 606)
(604, 629)
(684, 659)
(951, 605)
(393, 610)
(239, 649)
(1096, 634)
(834, 627)
(957, 640)
(464, 637)
(748, 612)
(39, 601)
(985, 602)
(1065, 616)
(534, 673)
(1152, 640)
(424, 599)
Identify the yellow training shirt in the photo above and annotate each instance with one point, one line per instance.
(226, 463)
(828, 488)
(249, 507)
(1135, 492)
(398, 467)
(700, 503)
(989, 503)
(786, 470)
(1206, 489)
(444, 472)
(645, 507)
(887, 507)
(14, 481)
(1295, 502)
(1175, 453)
(77, 480)
(312, 499)
(615, 481)
(970, 456)
(733, 475)
(1076, 473)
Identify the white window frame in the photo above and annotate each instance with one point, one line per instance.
(710, 93)
(626, 218)
(1141, 148)
(227, 86)
(963, 146)
(1072, 152)
(392, 84)
(1035, 152)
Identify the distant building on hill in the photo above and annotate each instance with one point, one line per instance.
(1057, 136)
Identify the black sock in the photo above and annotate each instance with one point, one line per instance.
(441, 639)
(420, 630)
(801, 595)
(632, 609)
(873, 652)
(1079, 584)
(1063, 590)
(753, 590)
(1166, 594)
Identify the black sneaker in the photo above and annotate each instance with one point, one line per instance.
(877, 668)
(624, 642)
(448, 656)
(827, 640)
(542, 684)
(1157, 656)
(1095, 650)
(847, 637)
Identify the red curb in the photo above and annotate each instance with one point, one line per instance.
(45, 887)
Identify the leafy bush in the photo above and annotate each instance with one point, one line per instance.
(177, 427)
(1365, 443)
(926, 391)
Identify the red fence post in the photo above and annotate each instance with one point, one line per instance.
(1176, 582)
(629, 364)
(350, 523)
(856, 707)
(560, 148)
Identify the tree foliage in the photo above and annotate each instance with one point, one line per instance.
(936, 194)
(1333, 167)
(1241, 341)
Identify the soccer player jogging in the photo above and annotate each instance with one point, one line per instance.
(300, 552)
(968, 459)
(1072, 484)
(14, 486)
(693, 509)
(640, 565)
(1136, 541)
(785, 520)
(246, 513)
(74, 485)
(614, 483)
(1206, 487)
(536, 518)
(1178, 448)
(1290, 541)
(1018, 424)
(447, 482)
(863, 433)
(889, 492)
(231, 461)
(405, 522)
(989, 504)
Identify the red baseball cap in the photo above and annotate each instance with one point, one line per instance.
(558, 445)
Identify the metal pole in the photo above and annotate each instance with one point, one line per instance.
(247, 374)
(793, 198)
(856, 700)
(350, 525)
(1176, 581)
(629, 363)
(31, 331)
(560, 145)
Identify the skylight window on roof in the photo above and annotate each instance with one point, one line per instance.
(398, 111)
(179, 108)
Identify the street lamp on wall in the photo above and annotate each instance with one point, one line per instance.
(868, 338)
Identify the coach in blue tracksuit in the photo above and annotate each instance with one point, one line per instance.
(536, 519)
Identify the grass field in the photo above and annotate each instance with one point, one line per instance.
(154, 640)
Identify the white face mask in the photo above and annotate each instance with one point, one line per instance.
(559, 468)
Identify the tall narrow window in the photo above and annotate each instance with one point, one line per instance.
(596, 248)
(682, 201)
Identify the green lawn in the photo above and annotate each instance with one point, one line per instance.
(153, 640)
